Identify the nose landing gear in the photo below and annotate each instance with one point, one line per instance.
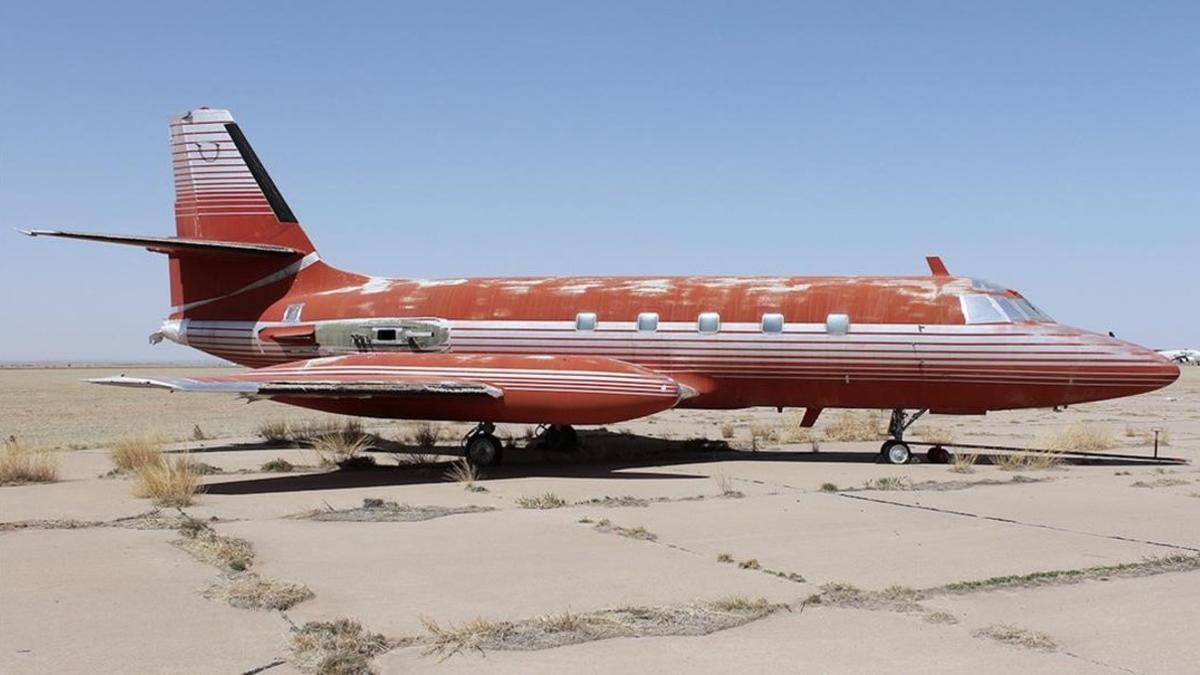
(895, 450)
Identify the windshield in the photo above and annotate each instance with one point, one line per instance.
(981, 308)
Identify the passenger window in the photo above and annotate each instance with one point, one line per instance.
(647, 322)
(709, 322)
(585, 321)
(385, 334)
(837, 324)
(772, 323)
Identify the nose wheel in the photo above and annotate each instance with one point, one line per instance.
(895, 450)
(481, 447)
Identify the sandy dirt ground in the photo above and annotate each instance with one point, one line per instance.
(781, 519)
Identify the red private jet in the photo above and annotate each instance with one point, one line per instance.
(247, 285)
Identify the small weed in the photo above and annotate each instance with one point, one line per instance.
(724, 558)
(278, 465)
(548, 500)
(829, 487)
(888, 483)
(1019, 637)
(751, 564)
(275, 432)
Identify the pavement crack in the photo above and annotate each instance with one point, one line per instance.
(1013, 521)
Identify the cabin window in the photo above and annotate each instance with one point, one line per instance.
(385, 334)
(709, 322)
(837, 324)
(292, 313)
(647, 322)
(981, 309)
(585, 321)
(1032, 310)
(772, 323)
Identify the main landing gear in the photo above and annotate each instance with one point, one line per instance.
(895, 450)
(558, 438)
(481, 447)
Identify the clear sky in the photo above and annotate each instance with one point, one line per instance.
(1051, 146)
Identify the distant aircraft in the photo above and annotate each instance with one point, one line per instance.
(247, 285)
(1190, 357)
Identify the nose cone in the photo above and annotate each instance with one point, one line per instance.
(1118, 368)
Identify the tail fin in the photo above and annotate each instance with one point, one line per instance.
(222, 190)
(223, 193)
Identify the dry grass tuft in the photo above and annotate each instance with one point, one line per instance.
(426, 436)
(938, 616)
(466, 473)
(169, 482)
(829, 487)
(1176, 562)
(937, 434)
(275, 432)
(1018, 637)
(20, 463)
(1146, 436)
(247, 590)
(278, 465)
(724, 558)
(763, 432)
(341, 647)
(548, 500)
(964, 462)
(725, 485)
(855, 426)
(339, 448)
(639, 532)
(1159, 483)
(131, 454)
(206, 545)
(794, 430)
(727, 430)
(751, 564)
(1018, 461)
(374, 510)
(546, 632)
(1080, 436)
(892, 598)
(888, 483)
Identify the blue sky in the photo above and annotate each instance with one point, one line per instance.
(1054, 147)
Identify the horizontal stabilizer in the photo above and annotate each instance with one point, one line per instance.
(173, 245)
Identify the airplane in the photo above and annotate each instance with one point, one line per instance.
(1187, 357)
(248, 286)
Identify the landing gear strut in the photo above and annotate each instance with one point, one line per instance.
(481, 447)
(895, 450)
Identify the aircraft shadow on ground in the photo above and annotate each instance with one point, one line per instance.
(606, 455)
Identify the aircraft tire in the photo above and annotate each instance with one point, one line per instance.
(895, 452)
(484, 450)
(938, 455)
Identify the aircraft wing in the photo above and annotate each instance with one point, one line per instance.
(268, 385)
(521, 388)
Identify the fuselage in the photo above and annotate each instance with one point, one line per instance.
(949, 344)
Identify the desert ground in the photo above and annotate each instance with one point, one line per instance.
(693, 541)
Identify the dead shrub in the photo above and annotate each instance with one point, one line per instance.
(169, 482)
(1080, 436)
(130, 454)
(20, 463)
(855, 426)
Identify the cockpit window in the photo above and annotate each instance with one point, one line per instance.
(979, 308)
